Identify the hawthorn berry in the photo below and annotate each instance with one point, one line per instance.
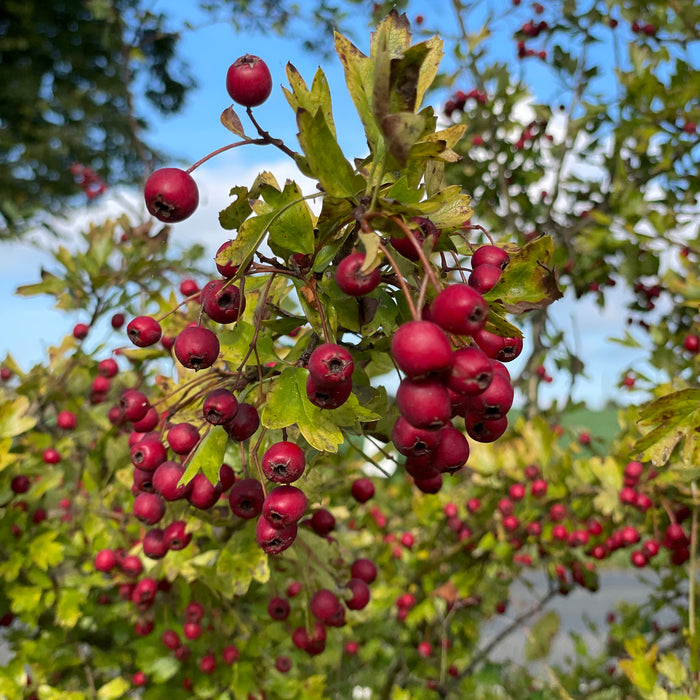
(351, 280)
(196, 347)
(171, 195)
(144, 331)
(248, 81)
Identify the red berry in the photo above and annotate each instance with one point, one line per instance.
(149, 508)
(278, 608)
(490, 255)
(171, 195)
(283, 664)
(219, 406)
(459, 309)
(351, 280)
(203, 494)
(330, 365)
(328, 397)
(420, 348)
(144, 331)
(426, 229)
(66, 420)
(362, 489)
(51, 456)
(283, 462)
(80, 331)
(222, 301)
(246, 498)
(484, 278)
(175, 536)
(322, 522)
(423, 403)
(248, 81)
(182, 438)
(498, 347)
(188, 288)
(105, 560)
(107, 368)
(285, 505)
(196, 347)
(360, 594)
(244, 424)
(273, 540)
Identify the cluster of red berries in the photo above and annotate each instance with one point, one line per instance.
(645, 28)
(90, 182)
(442, 383)
(458, 101)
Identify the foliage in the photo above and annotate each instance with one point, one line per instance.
(542, 498)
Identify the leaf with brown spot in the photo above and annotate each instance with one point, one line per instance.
(528, 282)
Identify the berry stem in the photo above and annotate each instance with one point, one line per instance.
(402, 282)
(419, 250)
(254, 452)
(368, 458)
(217, 152)
(267, 139)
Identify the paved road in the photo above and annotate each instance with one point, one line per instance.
(615, 586)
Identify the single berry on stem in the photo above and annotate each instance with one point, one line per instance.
(171, 195)
(248, 81)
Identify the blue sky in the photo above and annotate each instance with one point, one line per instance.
(196, 131)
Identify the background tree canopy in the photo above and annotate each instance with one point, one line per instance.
(69, 71)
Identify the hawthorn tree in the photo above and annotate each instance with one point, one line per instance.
(243, 501)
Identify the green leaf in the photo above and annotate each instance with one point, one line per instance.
(292, 229)
(208, 457)
(528, 282)
(672, 667)
(24, 599)
(235, 345)
(116, 688)
(69, 607)
(359, 79)
(44, 551)
(449, 208)
(50, 284)
(287, 404)
(674, 417)
(324, 156)
(6, 457)
(542, 634)
(401, 131)
(319, 97)
(250, 235)
(160, 669)
(236, 212)
(13, 418)
(241, 562)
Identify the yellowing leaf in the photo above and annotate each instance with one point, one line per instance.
(69, 607)
(13, 418)
(240, 562)
(116, 688)
(6, 457)
(542, 634)
(45, 551)
(208, 456)
(674, 417)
